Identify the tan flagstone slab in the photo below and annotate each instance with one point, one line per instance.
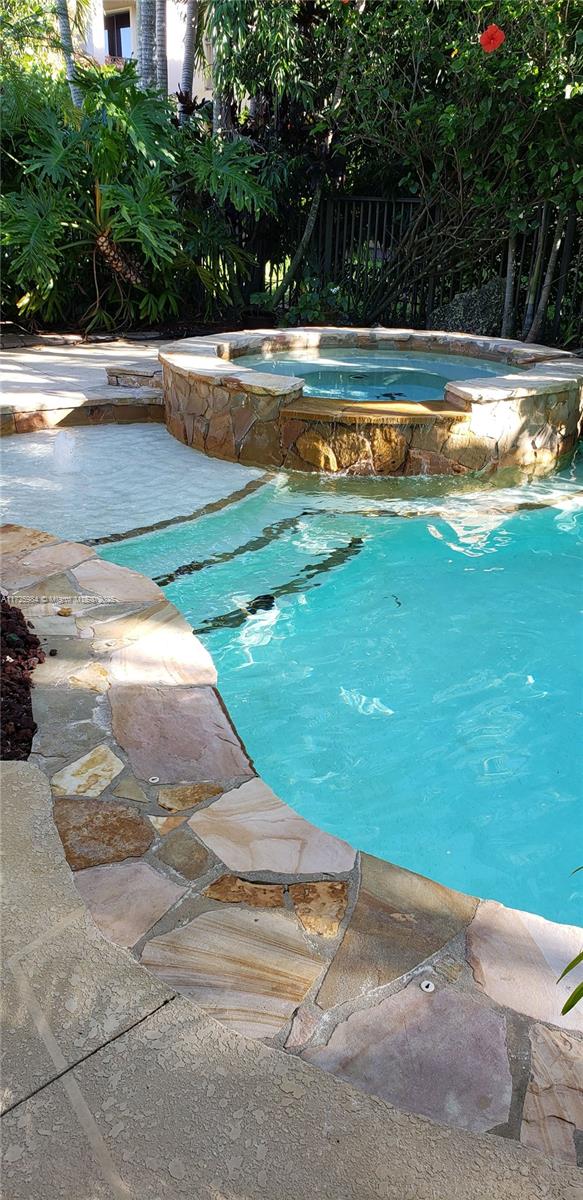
(127, 899)
(48, 591)
(52, 606)
(232, 890)
(164, 825)
(118, 623)
(320, 906)
(94, 676)
(553, 1105)
(250, 969)
(250, 829)
(19, 539)
(89, 775)
(166, 653)
(176, 734)
(32, 566)
(440, 1053)
(186, 795)
(68, 661)
(106, 579)
(96, 831)
(517, 957)
(399, 919)
(128, 788)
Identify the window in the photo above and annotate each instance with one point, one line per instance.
(118, 35)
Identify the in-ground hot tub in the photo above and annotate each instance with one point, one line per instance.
(362, 375)
(373, 401)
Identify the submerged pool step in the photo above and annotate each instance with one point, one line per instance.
(215, 566)
(160, 552)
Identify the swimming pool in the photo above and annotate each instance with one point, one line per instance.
(410, 676)
(355, 374)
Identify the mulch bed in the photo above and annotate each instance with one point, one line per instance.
(20, 651)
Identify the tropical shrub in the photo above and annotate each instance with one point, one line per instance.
(112, 214)
(482, 122)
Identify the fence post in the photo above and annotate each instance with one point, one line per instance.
(328, 217)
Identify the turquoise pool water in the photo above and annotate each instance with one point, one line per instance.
(412, 681)
(352, 374)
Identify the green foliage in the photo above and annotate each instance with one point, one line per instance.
(230, 172)
(272, 47)
(111, 213)
(26, 28)
(315, 304)
(383, 98)
(366, 96)
(490, 134)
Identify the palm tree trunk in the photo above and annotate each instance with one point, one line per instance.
(161, 47)
(541, 308)
(190, 35)
(508, 312)
(147, 59)
(67, 48)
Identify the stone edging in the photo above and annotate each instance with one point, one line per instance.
(432, 1000)
(95, 406)
(527, 420)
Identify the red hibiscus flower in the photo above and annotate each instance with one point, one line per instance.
(492, 38)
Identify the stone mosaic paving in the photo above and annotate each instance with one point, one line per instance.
(441, 1004)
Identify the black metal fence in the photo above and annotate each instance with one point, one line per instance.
(389, 262)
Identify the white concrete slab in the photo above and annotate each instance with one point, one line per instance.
(67, 368)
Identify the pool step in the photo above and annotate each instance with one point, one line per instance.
(93, 405)
(134, 374)
(315, 408)
(120, 394)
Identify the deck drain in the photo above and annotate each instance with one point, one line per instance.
(427, 986)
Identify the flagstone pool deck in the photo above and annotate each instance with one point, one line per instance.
(419, 997)
(115, 1086)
